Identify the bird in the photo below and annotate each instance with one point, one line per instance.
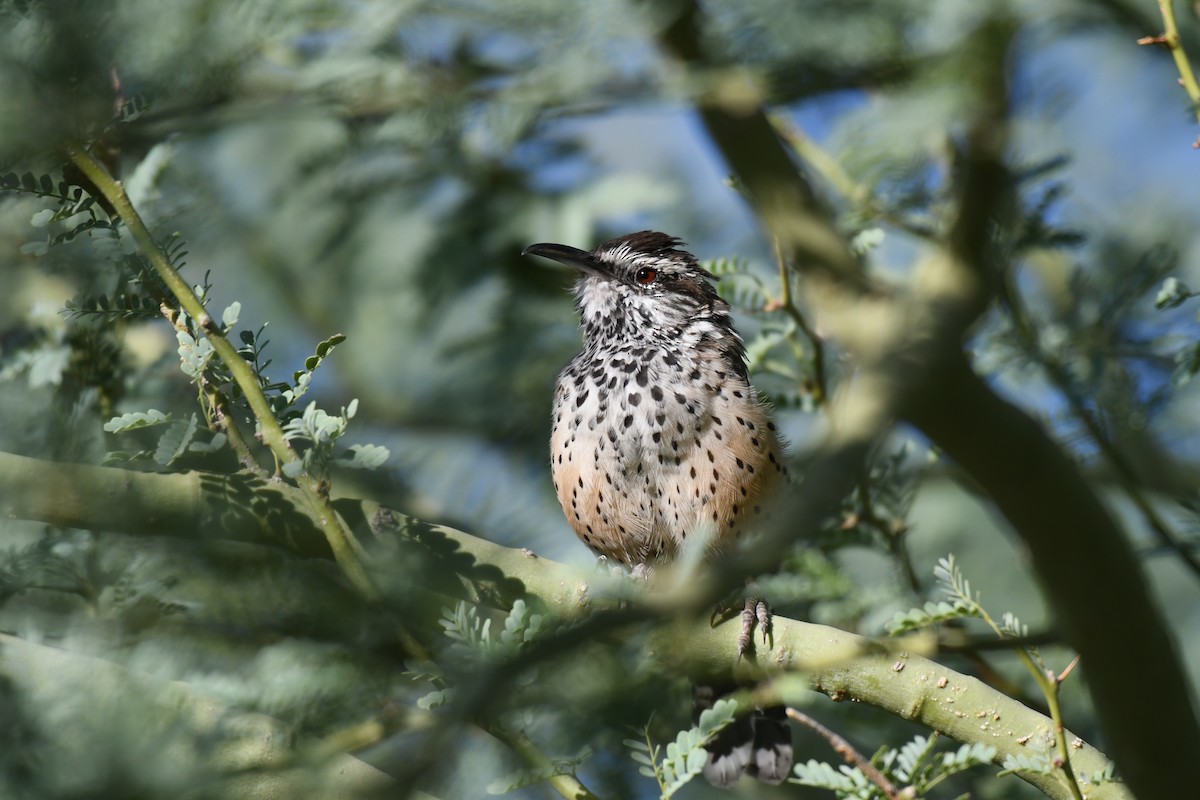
(657, 435)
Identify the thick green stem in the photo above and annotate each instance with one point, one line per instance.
(433, 562)
(269, 429)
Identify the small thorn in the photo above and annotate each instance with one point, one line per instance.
(1066, 672)
(1160, 40)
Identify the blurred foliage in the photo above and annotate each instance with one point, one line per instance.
(370, 171)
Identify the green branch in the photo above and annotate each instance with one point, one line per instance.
(269, 429)
(1026, 329)
(1171, 40)
(435, 562)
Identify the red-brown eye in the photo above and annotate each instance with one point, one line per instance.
(645, 276)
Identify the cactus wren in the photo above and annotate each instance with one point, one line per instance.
(658, 435)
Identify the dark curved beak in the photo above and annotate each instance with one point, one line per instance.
(581, 260)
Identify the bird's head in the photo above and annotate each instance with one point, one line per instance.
(640, 286)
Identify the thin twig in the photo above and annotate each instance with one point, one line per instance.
(1048, 682)
(955, 640)
(892, 536)
(227, 424)
(1170, 39)
(847, 751)
(857, 194)
(788, 304)
(1012, 302)
(1050, 686)
(1062, 676)
(861, 197)
(566, 784)
(216, 400)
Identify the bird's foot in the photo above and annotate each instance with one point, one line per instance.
(755, 612)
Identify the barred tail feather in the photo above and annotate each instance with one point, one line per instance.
(758, 744)
(772, 745)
